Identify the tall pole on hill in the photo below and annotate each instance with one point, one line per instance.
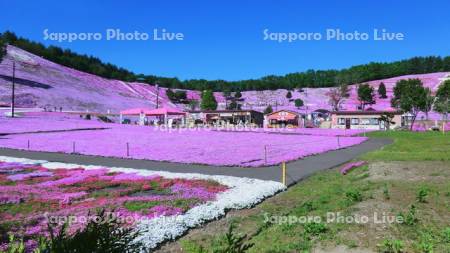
(157, 96)
(13, 88)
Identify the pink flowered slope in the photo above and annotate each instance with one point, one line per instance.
(53, 85)
(316, 98)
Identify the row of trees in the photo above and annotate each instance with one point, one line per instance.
(178, 96)
(366, 95)
(310, 78)
(410, 96)
(2, 48)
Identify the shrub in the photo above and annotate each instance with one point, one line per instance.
(104, 234)
(308, 206)
(422, 194)
(234, 243)
(298, 103)
(354, 195)
(104, 118)
(386, 192)
(446, 235)
(288, 95)
(315, 228)
(392, 246)
(14, 246)
(268, 110)
(410, 218)
(18, 246)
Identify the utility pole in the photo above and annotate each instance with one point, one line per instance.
(157, 96)
(13, 88)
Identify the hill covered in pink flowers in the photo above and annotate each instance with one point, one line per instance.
(42, 83)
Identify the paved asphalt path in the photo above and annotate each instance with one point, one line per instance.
(296, 170)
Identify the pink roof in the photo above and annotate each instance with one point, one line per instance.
(164, 111)
(135, 111)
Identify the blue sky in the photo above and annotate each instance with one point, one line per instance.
(224, 39)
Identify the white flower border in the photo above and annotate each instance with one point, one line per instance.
(243, 193)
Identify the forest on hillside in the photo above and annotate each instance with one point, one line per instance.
(309, 78)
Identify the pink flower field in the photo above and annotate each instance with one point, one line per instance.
(192, 146)
(158, 205)
(303, 131)
(29, 191)
(41, 122)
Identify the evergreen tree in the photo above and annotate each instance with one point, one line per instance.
(170, 95)
(233, 106)
(208, 100)
(268, 110)
(193, 104)
(298, 103)
(382, 90)
(2, 49)
(289, 95)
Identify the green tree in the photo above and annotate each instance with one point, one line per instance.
(335, 97)
(387, 119)
(233, 106)
(193, 104)
(289, 95)
(410, 96)
(170, 95)
(180, 95)
(382, 90)
(208, 100)
(2, 49)
(429, 100)
(441, 104)
(227, 93)
(365, 95)
(268, 110)
(238, 94)
(344, 90)
(298, 103)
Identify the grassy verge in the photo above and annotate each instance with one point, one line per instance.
(421, 198)
(412, 146)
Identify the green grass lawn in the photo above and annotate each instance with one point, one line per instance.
(412, 146)
(358, 193)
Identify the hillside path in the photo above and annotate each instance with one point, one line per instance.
(296, 170)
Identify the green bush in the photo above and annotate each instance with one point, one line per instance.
(104, 234)
(422, 194)
(386, 193)
(354, 195)
(411, 217)
(392, 246)
(234, 242)
(446, 235)
(315, 228)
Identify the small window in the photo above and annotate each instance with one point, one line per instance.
(364, 122)
(355, 121)
(341, 121)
